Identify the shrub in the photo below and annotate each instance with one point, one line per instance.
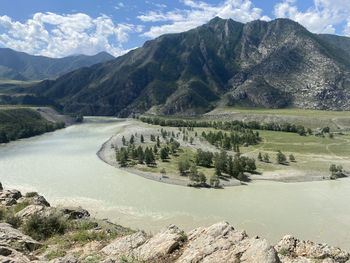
(31, 194)
(40, 228)
(14, 221)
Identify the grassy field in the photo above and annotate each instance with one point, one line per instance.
(286, 111)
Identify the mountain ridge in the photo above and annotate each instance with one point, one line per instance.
(17, 65)
(261, 64)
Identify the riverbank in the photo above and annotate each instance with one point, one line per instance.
(107, 154)
(81, 238)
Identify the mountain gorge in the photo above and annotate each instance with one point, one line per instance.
(21, 66)
(259, 64)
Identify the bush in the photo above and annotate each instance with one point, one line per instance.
(40, 228)
(31, 194)
(2, 214)
(14, 221)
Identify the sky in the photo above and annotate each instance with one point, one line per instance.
(59, 28)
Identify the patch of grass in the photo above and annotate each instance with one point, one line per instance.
(55, 254)
(20, 206)
(285, 111)
(41, 228)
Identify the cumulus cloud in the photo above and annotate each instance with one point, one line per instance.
(323, 17)
(197, 13)
(55, 35)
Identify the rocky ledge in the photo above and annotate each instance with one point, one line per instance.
(84, 239)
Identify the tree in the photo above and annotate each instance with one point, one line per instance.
(336, 171)
(149, 156)
(3, 137)
(122, 157)
(142, 139)
(164, 154)
(163, 172)
(333, 168)
(250, 165)
(155, 149)
(140, 155)
(123, 141)
(291, 158)
(132, 139)
(260, 158)
(220, 161)
(281, 158)
(214, 180)
(203, 158)
(193, 174)
(202, 178)
(183, 165)
(266, 158)
(158, 142)
(326, 130)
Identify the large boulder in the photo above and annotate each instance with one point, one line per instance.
(9, 197)
(125, 246)
(291, 249)
(11, 237)
(34, 199)
(31, 210)
(222, 243)
(10, 255)
(75, 213)
(162, 244)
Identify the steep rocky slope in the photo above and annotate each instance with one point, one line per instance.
(266, 64)
(101, 241)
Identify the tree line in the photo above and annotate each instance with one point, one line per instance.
(233, 140)
(234, 125)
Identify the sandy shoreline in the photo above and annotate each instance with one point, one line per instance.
(106, 154)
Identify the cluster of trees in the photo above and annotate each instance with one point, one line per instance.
(26, 130)
(131, 154)
(233, 140)
(281, 158)
(126, 154)
(224, 164)
(230, 125)
(18, 123)
(336, 171)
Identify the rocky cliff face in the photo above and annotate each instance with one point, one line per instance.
(215, 244)
(266, 64)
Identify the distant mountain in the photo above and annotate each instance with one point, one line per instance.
(21, 66)
(261, 64)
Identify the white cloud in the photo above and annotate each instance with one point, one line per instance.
(197, 13)
(54, 35)
(323, 17)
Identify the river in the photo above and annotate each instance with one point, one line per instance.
(63, 167)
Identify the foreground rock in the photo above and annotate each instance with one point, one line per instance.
(14, 239)
(222, 243)
(291, 250)
(214, 244)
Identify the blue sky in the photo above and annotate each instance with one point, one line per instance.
(58, 28)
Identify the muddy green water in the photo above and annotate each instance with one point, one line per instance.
(63, 166)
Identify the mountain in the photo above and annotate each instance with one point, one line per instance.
(258, 64)
(21, 66)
